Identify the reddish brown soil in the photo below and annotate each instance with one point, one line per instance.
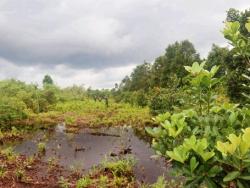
(10, 138)
(36, 174)
(39, 174)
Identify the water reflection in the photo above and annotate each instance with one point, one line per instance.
(90, 146)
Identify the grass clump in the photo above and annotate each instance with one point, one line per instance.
(41, 146)
(119, 168)
(84, 182)
(63, 183)
(20, 174)
(2, 172)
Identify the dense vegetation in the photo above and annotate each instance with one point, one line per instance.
(163, 85)
(208, 143)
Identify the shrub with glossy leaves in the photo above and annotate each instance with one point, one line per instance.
(191, 139)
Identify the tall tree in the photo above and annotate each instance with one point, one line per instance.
(157, 71)
(125, 84)
(218, 56)
(47, 80)
(160, 74)
(176, 56)
(140, 77)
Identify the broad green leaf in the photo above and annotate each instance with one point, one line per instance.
(190, 178)
(214, 70)
(246, 135)
(194, 183)
(247, 160)
(235, 26)
(190, 113)
(247, 25)
(203, 64)
(244, 148)
(207, 155)
(166, 124)
(154, 132)
(176, 125)
(231, 31)
(179, 154)
(188, 68)
(215, 109)
(231, 176)
(239, 184)
(200, 146)
(175, 117)
(245, 177)
(193, 164)
(222, 147)
(246, 76)
(245, 144)
(203, 143)
(214, 171)
(235, 140)
(210, 183)
(215, 81)
(162, 117)
(226, 147)
(232, 118)
(196, 68)
(189, 143)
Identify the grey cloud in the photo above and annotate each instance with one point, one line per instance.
(99, 34)
(64, 75)
(103, 34)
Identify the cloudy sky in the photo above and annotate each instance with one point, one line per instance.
(98, 42)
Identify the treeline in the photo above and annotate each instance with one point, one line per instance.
(162, 85)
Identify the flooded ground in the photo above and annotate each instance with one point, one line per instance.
(89, 147)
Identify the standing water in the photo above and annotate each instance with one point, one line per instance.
(89, 147)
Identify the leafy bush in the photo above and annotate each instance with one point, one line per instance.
(192, 138)
(160, 102)
(166, 99)
(141, 99)
(11, 109)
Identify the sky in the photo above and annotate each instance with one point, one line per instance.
(99, 42)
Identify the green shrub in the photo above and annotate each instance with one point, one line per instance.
(83, 182)
(159, 102)
(192, 138)
(11, 109)
(141, 99)
(166, 99)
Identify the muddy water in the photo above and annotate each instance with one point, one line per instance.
(90, 146)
